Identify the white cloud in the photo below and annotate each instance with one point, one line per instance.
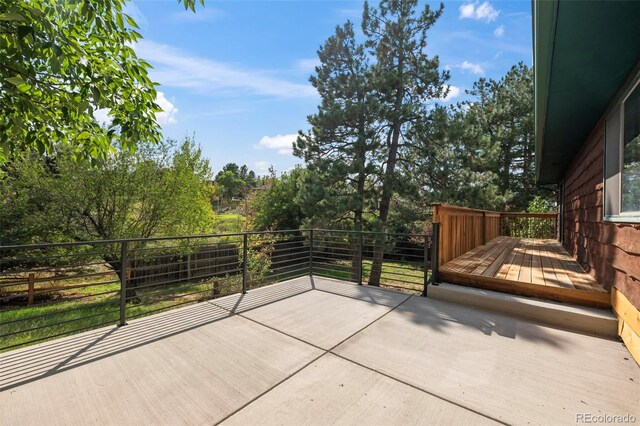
(262, 167)
(499, 32)
(282, 143)
(479, 11)
(132, 10)
(166, 116)
(474, 68)
(353, 13)
(174, 67)
(454, 92)
(169, 111)
(308, 64)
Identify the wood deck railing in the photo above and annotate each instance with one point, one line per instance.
(463, 229)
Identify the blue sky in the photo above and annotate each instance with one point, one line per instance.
(236, 72)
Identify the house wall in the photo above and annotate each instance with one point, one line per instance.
(609, 251)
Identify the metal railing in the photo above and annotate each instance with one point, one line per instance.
(53, 290)
(529, 225)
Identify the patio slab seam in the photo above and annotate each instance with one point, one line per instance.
(357, 298)
(435, 395)
(325, 351)
(331, 351)
(234, 310)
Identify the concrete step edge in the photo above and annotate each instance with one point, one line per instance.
(597, 322)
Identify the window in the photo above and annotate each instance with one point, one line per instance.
(622, 156)
(630, 197)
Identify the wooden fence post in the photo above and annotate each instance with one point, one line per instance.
(484, 228)
(189, 267)
(32, 280)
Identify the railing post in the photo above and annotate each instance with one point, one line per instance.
(360, 251)
(245, 253)
(426, 265)
(124, 266)
(435, 255)
(311, 252)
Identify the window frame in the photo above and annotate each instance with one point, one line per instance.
(614, 116)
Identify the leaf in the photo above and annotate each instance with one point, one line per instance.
(11, 16)
(83, 106)
(15, 80)
(24, 87)
(120, 20)
(24, 30)
(131, 22)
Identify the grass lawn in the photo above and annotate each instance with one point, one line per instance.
(403, 276)
(79, 304)
(229, 223)
(99, 305)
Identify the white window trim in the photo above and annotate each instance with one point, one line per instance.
(620, 99)
(622, 105)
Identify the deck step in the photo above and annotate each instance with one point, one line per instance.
(597, 322)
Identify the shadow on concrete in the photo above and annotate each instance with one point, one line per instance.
(49, 358)
(439, 315)
(35, 362)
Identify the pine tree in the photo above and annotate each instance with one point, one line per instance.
(339, 148)
(406, 79)
(500, 123)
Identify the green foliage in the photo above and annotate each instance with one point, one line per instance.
(340, 147)
(481, 152)
(229, 223)
(234, 181)
(278, 207)
(156, 191)
(63, 60)
(458, 168)
(541, 204)
(631, 171)
(499, 133)
(230, 184)
(406, 79)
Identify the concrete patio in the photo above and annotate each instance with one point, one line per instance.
(320, 351)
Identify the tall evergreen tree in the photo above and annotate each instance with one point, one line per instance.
(500, 127)
(339, 149)
(406, 79)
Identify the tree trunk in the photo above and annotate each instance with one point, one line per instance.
(356, 260)
(131, 294)
(385, 204)
(388, 181)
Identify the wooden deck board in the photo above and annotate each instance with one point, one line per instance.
(497, 263)
(535, 267)
(493, 252)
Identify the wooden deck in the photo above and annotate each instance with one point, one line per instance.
(526, 266)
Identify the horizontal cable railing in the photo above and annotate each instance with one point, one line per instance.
(530, 225)
(401, 261)
(54, 290)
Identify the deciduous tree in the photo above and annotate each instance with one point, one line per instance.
(63, 60)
